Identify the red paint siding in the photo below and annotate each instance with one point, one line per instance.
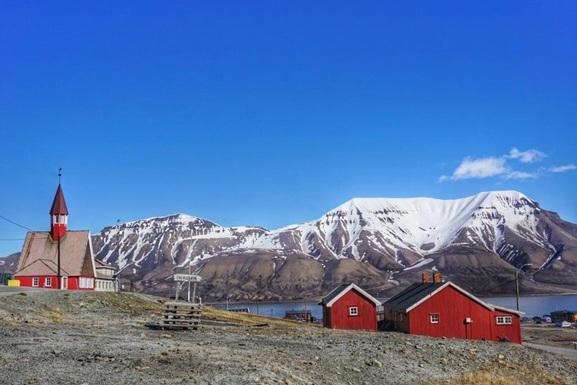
(58, 232)
(339, 318)
(512, 332)
(73, 282)
(453, 309)
(27, 281)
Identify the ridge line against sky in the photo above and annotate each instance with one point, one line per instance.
(272, 114)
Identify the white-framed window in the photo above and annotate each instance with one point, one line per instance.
(353, 311)
(434, 318)
(35, 281)
(48, 282)
(504, 320)
(86, 283)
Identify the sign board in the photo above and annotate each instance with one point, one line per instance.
(187, 277)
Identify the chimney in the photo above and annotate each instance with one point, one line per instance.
(437, 277)
(426, 277)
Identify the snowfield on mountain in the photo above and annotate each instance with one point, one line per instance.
(381, 244)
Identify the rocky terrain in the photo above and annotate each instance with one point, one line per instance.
(55, 337)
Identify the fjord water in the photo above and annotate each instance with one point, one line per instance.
(531, 306)
(536, 305)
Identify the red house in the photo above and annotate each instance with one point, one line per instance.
(442, 309)
(349, 307)
(59, 258)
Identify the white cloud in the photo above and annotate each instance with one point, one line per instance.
(500, 166)
(521, 175)
(529, 156)
(479, 168)
(564, 168)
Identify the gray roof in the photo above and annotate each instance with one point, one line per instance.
(412, 295)
(336, 291)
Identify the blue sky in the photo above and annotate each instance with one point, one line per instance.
(273, 113)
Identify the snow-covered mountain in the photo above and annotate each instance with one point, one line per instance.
(380, 243)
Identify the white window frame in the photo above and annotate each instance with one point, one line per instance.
(86, 283)
(434, 318)
(504, 320)
(353, 311)
(48, 282)
(35, 281)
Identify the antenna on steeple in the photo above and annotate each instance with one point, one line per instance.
(59, 174)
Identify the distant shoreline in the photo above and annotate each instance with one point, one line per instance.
(316, 301)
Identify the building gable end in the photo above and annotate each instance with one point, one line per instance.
(442, 287)
(346, 289)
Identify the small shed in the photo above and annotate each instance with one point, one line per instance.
(299, 315)
(349, 307)
(443, 309)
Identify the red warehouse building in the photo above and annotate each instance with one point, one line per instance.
(442, 309)
(349, 307)
(60, 258)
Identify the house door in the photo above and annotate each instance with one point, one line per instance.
(64, 283)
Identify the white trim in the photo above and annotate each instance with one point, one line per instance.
(347, 289)
(434, 318)
(504, 309)
(92, 255)
(505, 320)
(353, 311)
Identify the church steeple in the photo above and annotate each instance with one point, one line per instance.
(58, 215)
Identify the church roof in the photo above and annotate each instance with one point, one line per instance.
(40, 255)
(59, 204)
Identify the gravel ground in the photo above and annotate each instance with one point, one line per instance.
(101, 338)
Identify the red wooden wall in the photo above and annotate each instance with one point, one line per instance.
(27, 281)
(73, 282)
(512, 332)
(453, 309)
(339, 317)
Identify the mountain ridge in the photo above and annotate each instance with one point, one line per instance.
(383, 243)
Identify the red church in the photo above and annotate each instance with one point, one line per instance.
(350, 307)
(60, 258)
(443, 309)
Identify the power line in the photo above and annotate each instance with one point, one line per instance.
(14, 223)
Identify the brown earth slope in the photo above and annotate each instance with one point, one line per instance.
(55, 337)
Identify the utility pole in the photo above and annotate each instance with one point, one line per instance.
(189, 273)
(517, 287)
(517, 282)
(59, 273)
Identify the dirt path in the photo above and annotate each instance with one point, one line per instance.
(568, 353)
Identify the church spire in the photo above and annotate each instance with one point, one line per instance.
(58, 214)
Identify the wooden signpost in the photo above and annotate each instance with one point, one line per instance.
(181, 279)
(178, 314)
